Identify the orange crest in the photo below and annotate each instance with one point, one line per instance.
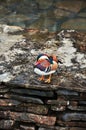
(54, 58)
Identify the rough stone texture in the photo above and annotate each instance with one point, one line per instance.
(28, 104)
(25, 117)
(7, 40)
(6, 124)
(77, 24)
(27, 127)
(62, 128)
(44, 4)
(41, 14)
(68, 5)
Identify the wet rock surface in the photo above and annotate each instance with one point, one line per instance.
(41, 14)
(25, 102)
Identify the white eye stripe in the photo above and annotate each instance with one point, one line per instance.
(54, 62)
(43, 57)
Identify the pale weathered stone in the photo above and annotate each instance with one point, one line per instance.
(11, 29)
(6, 124)
(6, 40)
(27, 127)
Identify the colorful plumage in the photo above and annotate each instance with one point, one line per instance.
(45, 65)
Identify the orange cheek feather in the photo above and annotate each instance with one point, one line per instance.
(54, 66)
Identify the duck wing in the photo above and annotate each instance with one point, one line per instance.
(44, 65)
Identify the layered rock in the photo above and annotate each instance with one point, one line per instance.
(25, 102)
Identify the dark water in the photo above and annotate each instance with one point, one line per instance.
(54, 15)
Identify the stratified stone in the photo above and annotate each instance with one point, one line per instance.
(76, 128)
(8, 102)
(27, 127)
(83, 96)
(44, 120)
(25, 107)
(54, 128)
(82, 102)
(61, 128)
(58, 102)
(58, 105)
(75, 116)
(72, 124)
(75, 105)
(24, 98)
(3, 88)
(33, 92)
(78, 108)
(67, 92)
(36, 108)
(58, 108)
(26, 117)
(6, 124)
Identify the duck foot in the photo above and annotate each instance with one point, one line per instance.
(41, 78)
(48, 80)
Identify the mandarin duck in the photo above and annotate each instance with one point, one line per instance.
(45, 65)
